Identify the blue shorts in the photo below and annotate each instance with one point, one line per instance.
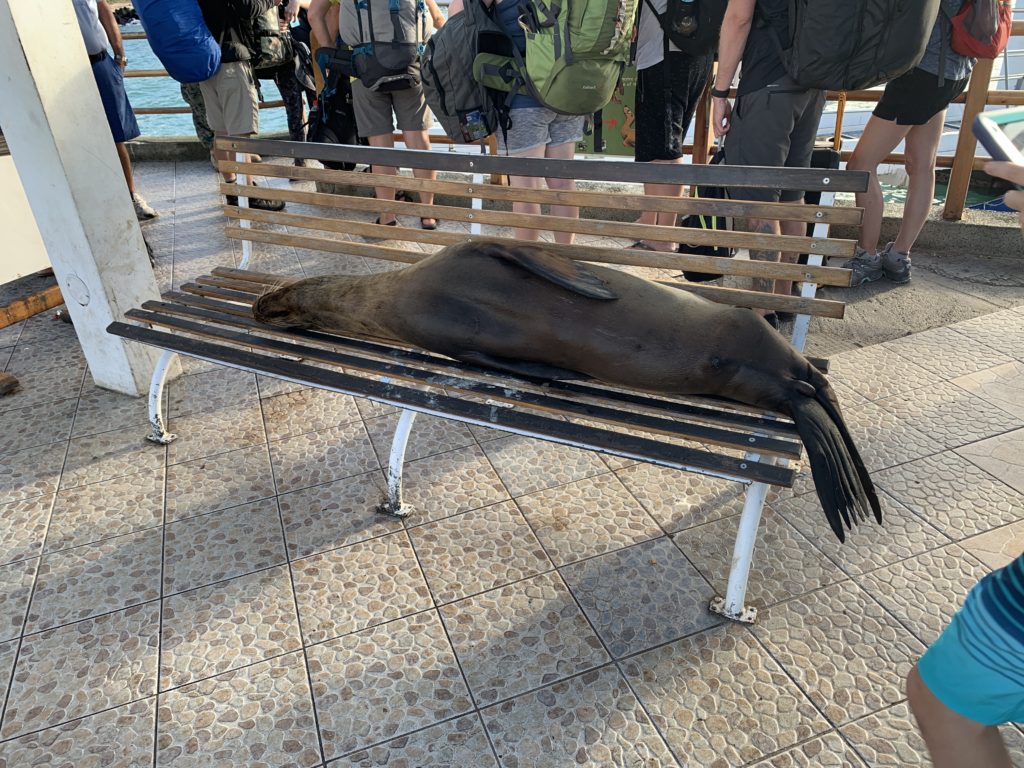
(976, 667)
(120, 117)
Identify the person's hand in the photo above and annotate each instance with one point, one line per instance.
(1012, 172)
(721, 111)
(291, 10)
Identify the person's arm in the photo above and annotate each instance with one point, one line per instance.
(317, 17)
(113, 30)
(739, 15)
(436, 15)
(1012, 172)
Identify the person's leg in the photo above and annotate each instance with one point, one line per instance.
(879, 139)
(526, 182)
(420, 140)
(384, 193)
(291, 95)
(192, 95)
(563, 151)
(126, 166)
(921, 148)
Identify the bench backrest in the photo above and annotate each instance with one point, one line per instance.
(339, 221)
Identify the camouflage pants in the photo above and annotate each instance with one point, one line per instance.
(194, 98)
(291, 94)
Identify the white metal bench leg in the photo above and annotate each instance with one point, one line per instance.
(393, 504)
(156, 400)
(732, 606)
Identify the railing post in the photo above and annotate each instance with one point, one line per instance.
(703, 131)
(963, 161)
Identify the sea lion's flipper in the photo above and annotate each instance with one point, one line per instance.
(521, 367)
(568, 273)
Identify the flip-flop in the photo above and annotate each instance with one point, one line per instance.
(392, 223)
(431, 226)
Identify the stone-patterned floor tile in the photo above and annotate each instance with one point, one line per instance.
(335, 514)
(828, 751)
(891, 738)
(94, 458)
(308, 410)
(49, 354)
(116, 738)
(998, 547)
(320, 457)
(260, 717)
(369, 409)
(217, 482)
(35, 425)
(902, 534)
(40, 384)
(114, 507)
(100, 410)
(519, 637)
(86, 581)
(641, 596)
(210, 392)
(271, 387)
(1003, 386)
(230, 428)
(23, 527)
(879, 371)
(446, 484)
(526, 465)
(592, 721)
(884, 440)
(8, 653)
(925, 591)
(952, 494)
(844, 651)
(784, 565)
(1001, 331)
(477, 551)
(945, 352)
(429, 435)
(679, 500)
(16, 581)
(586, 518)
(214, 629)
(455, 743)
(79, 669)
(358, 586)
(32, 472)
(201, 550)
(999, 456)
(383, 682)
(721, 699)
(949, 415)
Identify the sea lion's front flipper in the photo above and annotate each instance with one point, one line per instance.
(521, 367)
(567, 273)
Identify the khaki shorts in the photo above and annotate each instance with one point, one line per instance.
(374, 110)
(232, 105)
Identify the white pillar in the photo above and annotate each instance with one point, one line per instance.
(53, 121)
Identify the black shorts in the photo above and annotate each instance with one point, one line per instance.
(664, 109)
(916, 97)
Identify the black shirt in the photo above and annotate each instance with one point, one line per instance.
(224, 19)
(761, 63)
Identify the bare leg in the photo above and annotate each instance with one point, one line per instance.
(879, 139)
(384, 193)
(126, 166)
(797, 228)
(952, 740)
(227, 154)
(526, 182)
(420, 140)
(922, 146)
(563, 152)
(662, 218)
(763, 227)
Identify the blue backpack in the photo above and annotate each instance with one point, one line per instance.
(180, 38)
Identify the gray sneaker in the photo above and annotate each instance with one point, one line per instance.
(895, 264)
(143, 210)
(866, 267)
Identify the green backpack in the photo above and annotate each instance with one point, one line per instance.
(573, 60)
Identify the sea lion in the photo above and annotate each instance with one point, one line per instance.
(521, 308)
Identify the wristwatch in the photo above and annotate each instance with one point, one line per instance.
(118, 58)
(717, 93)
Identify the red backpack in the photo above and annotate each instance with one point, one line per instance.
(981, 29)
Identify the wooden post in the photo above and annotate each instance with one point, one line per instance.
(703, 131)
(963, 161)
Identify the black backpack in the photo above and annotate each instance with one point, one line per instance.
(848, 45)
(706, 221)
(332, 119)
(708, 15)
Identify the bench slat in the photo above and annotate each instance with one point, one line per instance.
(481, 414)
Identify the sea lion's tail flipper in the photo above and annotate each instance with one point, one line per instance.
(560, 270)
(844, 487)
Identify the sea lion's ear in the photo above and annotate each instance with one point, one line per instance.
(560, 270)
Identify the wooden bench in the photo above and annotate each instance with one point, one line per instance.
(210, 318)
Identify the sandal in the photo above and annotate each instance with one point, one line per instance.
(640, 245)
(392, 223)
(431, 226)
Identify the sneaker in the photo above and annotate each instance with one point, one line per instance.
(143, 210)
(866, 267)
(895, 264)
(258, 203)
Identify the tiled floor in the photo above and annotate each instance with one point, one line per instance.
(232, 599)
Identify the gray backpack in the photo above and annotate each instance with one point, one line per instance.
(387, 38)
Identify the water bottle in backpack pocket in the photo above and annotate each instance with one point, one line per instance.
(387, 38)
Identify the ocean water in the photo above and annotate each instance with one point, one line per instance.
(165, 92)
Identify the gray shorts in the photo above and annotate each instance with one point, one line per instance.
(232, 105)
(774, 126)
(374, 110)
(534, 127)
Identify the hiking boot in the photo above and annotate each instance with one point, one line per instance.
(143, 210)
(258, 203)
(895, 264)
(866, 267)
